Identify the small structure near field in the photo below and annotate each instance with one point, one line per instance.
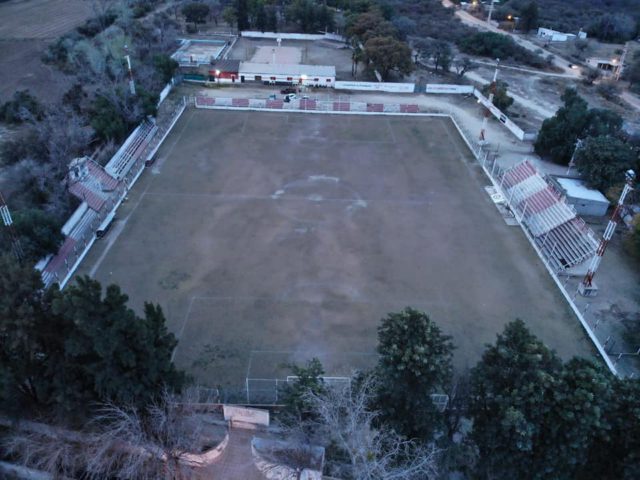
(586, 201)
(193, 53)
(555, 36)
(607, 66)
(290, 74)
(225, 71)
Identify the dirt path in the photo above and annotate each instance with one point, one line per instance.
(525, 102)
(237, 460)
(472, 21)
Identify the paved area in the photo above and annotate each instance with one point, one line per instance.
(236, 461)
(297, 233)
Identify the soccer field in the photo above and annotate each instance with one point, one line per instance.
(276, 237)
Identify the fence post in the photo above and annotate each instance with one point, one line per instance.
(247, 387)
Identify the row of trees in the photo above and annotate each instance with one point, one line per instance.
(611, 21)
(63, 351)
(307, 15)
(594, 139)
(532, 415)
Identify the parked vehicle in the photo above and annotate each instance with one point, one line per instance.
(286, 91)
(290, 96)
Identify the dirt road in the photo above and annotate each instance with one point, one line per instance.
(472, 21)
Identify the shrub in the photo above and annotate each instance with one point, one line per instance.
(94, 26)
(21, 107)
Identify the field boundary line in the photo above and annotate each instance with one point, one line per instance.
(477, 151)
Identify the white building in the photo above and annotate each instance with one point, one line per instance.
(293, 74)
(586, 201)
(555, 36)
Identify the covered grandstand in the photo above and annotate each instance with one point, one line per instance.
(563, 238)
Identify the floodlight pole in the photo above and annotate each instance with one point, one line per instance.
(586, 287)
(132, 85)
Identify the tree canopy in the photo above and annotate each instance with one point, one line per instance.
(574, 120)
(64, 350)
(195, 12)
(536, 418)
(415, 362)
(387, 55)
(602, 161)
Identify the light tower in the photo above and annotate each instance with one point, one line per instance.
(8, 222)
(132, 85)
(587, 288)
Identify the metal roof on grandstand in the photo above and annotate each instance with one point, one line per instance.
(287, 69)
(94, 187)
(563, 238)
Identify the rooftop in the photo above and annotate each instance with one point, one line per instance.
(577, 189)
(287, 69)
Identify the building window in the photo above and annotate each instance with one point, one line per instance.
(289, 78)
(272, 78)
(316, 79)
(328, 80)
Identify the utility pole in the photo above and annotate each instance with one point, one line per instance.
(8, 222)
(623, 57)
(587, 288)
(132, 85)
(490, 12)
(492, 91)
(572, 162)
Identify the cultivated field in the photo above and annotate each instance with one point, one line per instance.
(26, 28)
(273, 237)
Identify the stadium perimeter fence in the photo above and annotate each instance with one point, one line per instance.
(479, 150)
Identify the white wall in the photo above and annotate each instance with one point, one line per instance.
(444, 88)
(292, 36)
(376, 87)
(512, 127)
(295, 80)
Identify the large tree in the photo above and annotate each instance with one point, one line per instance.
(386, 54)
(111, 353)
(603, 160)
(558, 135)
(61, 351)
(529, 17)
(30, 343)
(369, 25)
(415, 362)
(510, 396)
(195, 12)
(40, 233)
(615, 450)
(575, 416)
(501, 98)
